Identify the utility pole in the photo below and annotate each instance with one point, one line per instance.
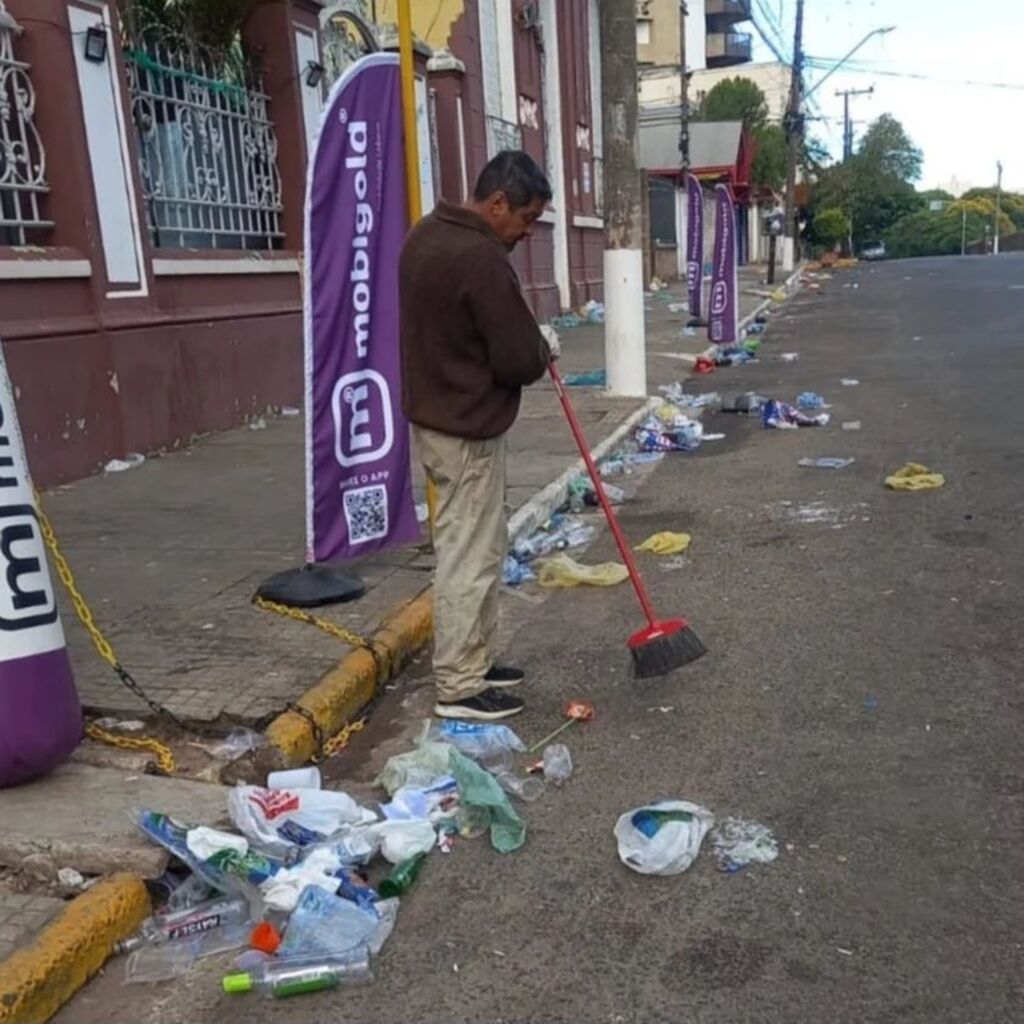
(682, 217)
(963, 232)
(794, 131)
(999, 203)
(624, 339)
(684, 85)
(847, 123)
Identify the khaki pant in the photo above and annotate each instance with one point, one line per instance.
(470, 540)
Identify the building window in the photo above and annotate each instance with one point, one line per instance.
(208, 150)
(499, 76)
(643, 32)
(22, 157)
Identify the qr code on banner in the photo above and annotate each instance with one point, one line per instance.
(366, 512)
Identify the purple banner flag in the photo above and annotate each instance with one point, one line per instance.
(723, 328)
(694, 244)
(358, 482)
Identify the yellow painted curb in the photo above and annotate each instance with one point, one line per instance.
(36, 981)
(341, 693)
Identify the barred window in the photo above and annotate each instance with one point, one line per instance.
(208, 149)
(23, 185)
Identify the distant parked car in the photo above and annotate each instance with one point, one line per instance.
(873, 251)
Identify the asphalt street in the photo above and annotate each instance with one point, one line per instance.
(860, 697)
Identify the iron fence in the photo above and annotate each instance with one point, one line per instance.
(22, 157)
(208, 150)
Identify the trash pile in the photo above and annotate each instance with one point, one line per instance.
(559, 533)
(289, 890)
(591, 312)
(669, 430)
(586, 379)
(664, 838)
(776, 415)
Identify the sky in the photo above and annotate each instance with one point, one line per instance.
(962, 129)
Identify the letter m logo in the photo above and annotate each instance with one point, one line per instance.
(26, 595)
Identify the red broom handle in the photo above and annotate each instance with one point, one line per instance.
(606, 505)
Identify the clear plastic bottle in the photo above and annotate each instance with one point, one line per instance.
(284, 977)
(163, 961)
(192, 921)
(526, 787)
(557, 763)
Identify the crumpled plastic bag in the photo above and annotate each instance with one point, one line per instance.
(402, 840)
(666, 543)
(203, 842)
(478, 788)
(563, 571)
(281, 821)
(914, 477)
(662, 838)
(738, 843)
(419, 767)
(282, 891)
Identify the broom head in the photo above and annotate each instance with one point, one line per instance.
(664, 647)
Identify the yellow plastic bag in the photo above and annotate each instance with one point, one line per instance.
(914, 477)
(666, 543)
(563, 571)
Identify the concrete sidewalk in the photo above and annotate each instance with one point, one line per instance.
(169, 554)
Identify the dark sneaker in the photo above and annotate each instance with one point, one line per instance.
(502, 676)
(488, 706)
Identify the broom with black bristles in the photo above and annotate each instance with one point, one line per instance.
(662, 646)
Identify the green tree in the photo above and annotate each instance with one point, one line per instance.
(769, 167)
(735, 99)
(887, 150)
(939, 233)
(831, 225)
(1011, 203)
(873, 187)
(740, 99)
(214, 23)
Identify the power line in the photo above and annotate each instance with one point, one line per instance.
(823, 64)
(769, 42)
(777, 43)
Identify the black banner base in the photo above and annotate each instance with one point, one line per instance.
(312, 586)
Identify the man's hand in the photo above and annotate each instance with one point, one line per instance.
(551, 340)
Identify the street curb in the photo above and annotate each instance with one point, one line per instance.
(341, 693)
(785, 286)
(538, 510)
(338, 697)
(36, 981)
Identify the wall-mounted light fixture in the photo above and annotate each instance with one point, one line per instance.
(96, 44)
(314, 73)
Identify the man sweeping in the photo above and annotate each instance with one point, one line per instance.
(469, 345)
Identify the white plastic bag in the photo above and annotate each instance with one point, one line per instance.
(400, 840)
(279, 821)
(662, 838)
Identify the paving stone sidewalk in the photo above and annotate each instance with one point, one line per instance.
(169, 554)
(23, 914)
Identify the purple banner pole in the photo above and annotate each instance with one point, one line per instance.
(723, 326)
(694, 244)
(358, 481)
